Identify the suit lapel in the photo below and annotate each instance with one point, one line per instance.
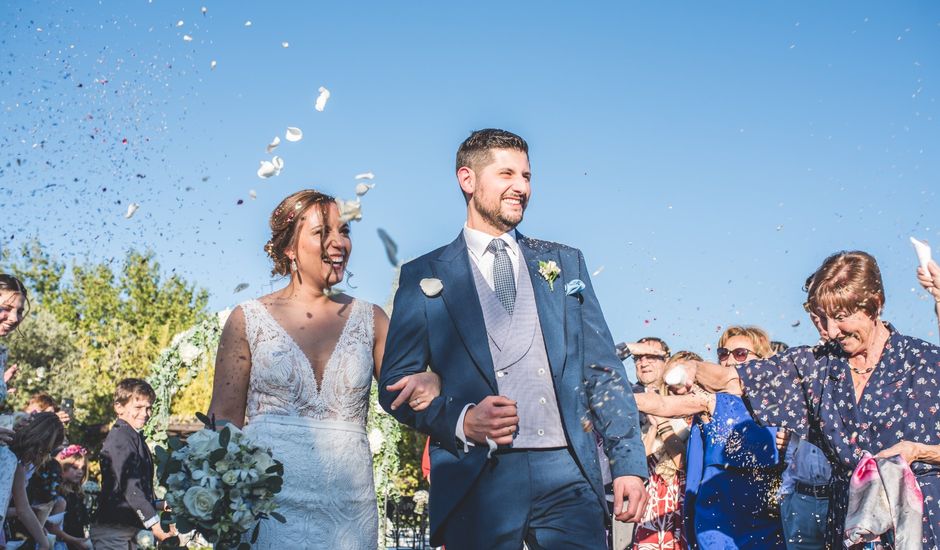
(452, 267)
(549, 303)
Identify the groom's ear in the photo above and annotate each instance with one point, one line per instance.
(467, 180)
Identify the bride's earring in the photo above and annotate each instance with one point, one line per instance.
(293, 265)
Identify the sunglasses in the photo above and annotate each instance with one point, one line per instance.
(739, 354)
(639, 357)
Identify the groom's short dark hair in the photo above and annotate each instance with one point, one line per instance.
(474, 152)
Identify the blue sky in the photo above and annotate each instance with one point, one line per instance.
(705, 156)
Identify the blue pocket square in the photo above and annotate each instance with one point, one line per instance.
(574, 287)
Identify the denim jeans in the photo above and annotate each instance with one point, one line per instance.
(804, 521)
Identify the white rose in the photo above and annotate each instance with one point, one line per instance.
(188, 353)
(202, 443)
(200, 501)
(230, 477)
(376, 439)
(262, 460)
(431, 287)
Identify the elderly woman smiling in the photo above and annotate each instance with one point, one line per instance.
(867, 388)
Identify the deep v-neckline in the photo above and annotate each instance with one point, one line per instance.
(318, 385)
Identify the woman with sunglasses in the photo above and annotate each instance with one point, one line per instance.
(866, 389)
(732, 464)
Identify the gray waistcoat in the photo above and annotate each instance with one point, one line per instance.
(521, 362)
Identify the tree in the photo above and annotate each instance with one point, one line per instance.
(117, 320)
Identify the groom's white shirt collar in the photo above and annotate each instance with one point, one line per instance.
(477, 241)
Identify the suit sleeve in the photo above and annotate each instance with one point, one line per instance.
(608, 389)
(407, 352)
(127, 469)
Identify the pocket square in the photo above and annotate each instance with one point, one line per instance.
(574, 287)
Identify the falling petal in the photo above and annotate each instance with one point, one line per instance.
(278, 163)
(247, 23)
(267, 169)
(293, 134)
(363, 188)
(240, 287)
(795, 324)
(391, 249)
(212, 64)
(273, 145)
(285, 44)
(349, 210)
(365, 176)
(131, 208)
(204, 10)
(253, 194)
(321, 99)
(598, 272)
(187, 38)
(179, 23)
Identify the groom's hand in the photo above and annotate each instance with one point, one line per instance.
(495, 417)
(631, 490)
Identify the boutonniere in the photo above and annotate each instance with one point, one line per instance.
(574, 287)
(431, 287)
(549, 271)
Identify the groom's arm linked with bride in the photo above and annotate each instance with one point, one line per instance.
(510, 459)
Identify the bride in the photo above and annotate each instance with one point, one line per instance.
(296, 366)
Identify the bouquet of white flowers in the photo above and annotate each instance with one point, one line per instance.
(219, 484)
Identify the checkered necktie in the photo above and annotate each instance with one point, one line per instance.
(503, 280)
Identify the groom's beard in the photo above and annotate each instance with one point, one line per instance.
(495, 216)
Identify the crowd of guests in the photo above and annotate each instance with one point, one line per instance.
(46, 500)
(757, 450)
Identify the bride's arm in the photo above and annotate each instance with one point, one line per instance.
(417, 390)
(232, 372)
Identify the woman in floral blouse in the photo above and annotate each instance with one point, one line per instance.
(868, 388)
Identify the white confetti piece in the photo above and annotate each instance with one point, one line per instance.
(322, 98)
(285, 44)
(131, 208)
(363, 188)
(240, 287)
(278, 163)
(187, 38)
(204, 10)
(267, 169)
(598, 271)
(273, 145)
(293, 134)
(180, 23)
(923, 253)
(247, 23)
(212, 64)
(253, 194)
(365, 176)
(349, 210)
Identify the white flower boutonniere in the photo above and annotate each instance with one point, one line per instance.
(549, 271)
(431, 287)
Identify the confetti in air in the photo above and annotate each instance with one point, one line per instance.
(252, 194)
(204, 10)
(187, 38)
(321, 99)
(293, 134)
(179, 23)
(131, 208)
(363, 188)
(247, 23)
(285, 44)
(365, 176)
(240, 287)
(273, 145)
(212, 65)
(598, 271)
(271, 167)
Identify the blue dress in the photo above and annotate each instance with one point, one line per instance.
(733, 475)
(809, 390)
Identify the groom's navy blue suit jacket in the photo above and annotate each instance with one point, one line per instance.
(447, 333)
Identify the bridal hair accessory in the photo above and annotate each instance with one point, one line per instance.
(574, 287)
(72, 450)
(549, 271)
(431, 287)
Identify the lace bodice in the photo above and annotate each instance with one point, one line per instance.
(283, 381)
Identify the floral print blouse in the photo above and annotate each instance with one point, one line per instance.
(809, 390)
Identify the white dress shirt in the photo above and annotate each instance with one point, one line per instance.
(477, 243)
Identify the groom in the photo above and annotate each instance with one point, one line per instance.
(513, 328)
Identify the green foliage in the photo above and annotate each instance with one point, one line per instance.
(95, 324)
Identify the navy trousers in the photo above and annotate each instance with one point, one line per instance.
(536, 496)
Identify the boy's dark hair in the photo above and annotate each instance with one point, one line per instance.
(43, 400)
(35, 439)
(474, 152)
(129, 388)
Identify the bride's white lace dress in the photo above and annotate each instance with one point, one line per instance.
(317, 431)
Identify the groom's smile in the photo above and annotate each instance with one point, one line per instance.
(499, 192)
